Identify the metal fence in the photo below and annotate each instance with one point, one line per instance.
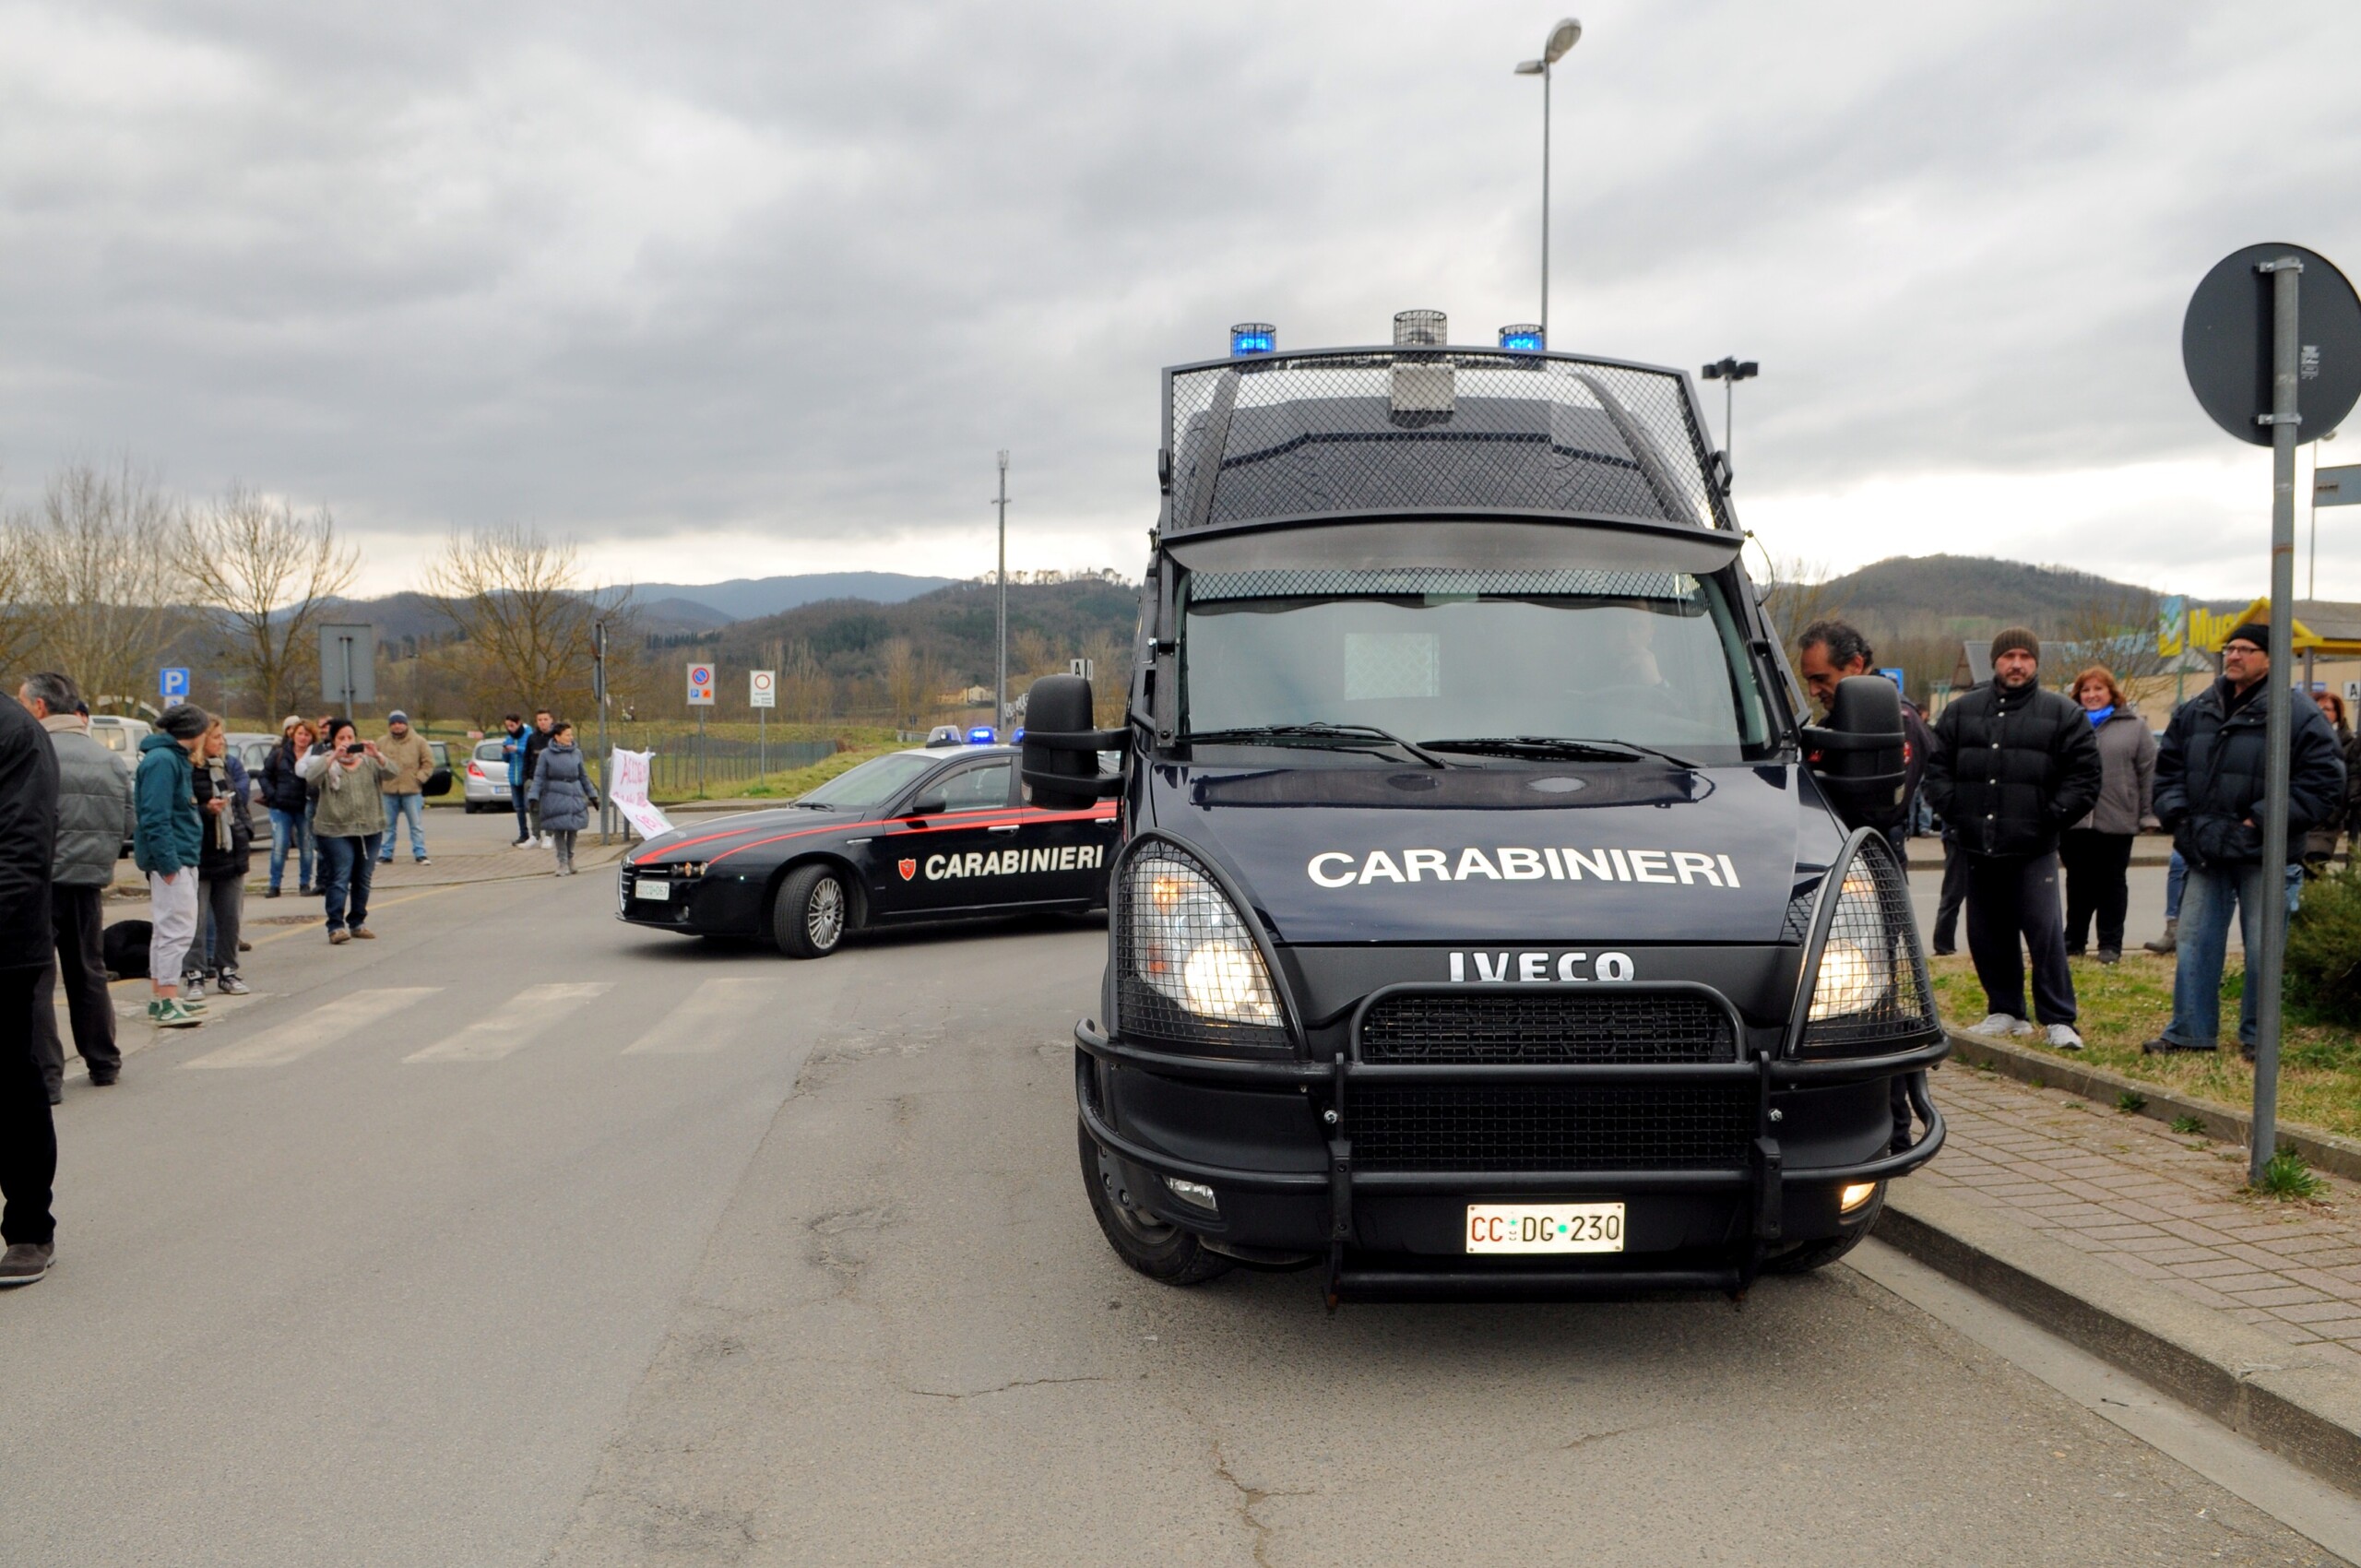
(686, 765)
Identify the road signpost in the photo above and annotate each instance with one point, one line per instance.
(2271, 343)
(171, 684)
(700, 698)
(761, 692)
(348, 666)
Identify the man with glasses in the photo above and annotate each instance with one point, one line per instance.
(2210, 773)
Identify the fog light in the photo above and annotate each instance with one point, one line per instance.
(1854, 1194)
(1193, 1192)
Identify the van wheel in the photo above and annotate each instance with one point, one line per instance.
(811, 913)
(1164, 1252)
(1819, 1254)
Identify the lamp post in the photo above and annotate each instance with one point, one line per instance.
(2312, 566)
(1729, 373)
(1000, 678)
(1562, 37)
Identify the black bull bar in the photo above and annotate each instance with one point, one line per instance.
(1764, 1178)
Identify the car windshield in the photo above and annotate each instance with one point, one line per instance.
(872, 784)
(1640, 663)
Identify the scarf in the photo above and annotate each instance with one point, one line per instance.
(218, 770)
(2099, 716)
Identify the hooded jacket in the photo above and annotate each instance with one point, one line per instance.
(169, 840)
(28, 839)
(2009, 769)
(95, 816)
(2127, 773)
(563, 787)
(2211, 775)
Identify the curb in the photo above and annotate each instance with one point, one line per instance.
(2321, 1149)
(2274, 1394)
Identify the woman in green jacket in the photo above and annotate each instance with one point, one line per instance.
(347, 818)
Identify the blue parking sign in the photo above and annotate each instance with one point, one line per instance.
(175, 684)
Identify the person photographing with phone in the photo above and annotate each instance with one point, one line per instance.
(347, 781)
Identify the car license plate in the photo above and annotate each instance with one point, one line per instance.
(1545, 1228)
(654, 892)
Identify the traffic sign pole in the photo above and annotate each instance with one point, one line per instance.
(2287, 276)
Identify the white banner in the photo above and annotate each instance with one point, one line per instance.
(629, 774)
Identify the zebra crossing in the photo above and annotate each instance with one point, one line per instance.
(714, 1016)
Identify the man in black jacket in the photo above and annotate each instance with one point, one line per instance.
(28, 1136)
(2210, 781)
(2011, 768)
(1828, 651)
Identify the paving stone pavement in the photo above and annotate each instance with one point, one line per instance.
(2157, 1204)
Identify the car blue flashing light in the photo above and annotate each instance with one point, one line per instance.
(1524, 337)
(981, 735)
(1016, 736)
(1250, 338)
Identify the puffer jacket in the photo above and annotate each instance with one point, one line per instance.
(563, 786)
(28, 839)
(348, 802)
(95, 815)
(229, 837)
(2127, 773)
(2211, 775)
(170, 838)
(283, 788)
(2010, 769)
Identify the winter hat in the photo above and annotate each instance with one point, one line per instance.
(398, 717)
(287, 725)
(2016, 637)
(184, 722)
(2253, 632)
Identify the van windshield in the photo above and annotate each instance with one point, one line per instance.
(1646, 661)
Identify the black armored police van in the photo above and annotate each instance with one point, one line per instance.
(1486, 919)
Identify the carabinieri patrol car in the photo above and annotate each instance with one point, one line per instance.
(912, 835)
(1487, 921)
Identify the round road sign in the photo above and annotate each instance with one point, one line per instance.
(2225, 343)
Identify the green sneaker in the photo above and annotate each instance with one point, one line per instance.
(171, 1012)
(188, 1006)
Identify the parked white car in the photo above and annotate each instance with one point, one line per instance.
(485, 786)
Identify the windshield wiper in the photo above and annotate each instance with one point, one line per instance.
(1557, 747)
(1343, 737)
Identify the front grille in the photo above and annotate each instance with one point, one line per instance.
(1507, 1027)
(1552, 1128)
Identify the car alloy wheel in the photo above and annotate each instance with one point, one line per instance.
(824, 913)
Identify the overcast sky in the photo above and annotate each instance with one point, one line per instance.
(722, 288)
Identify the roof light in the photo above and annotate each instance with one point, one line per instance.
(1250, 338)
(1525, 337)
(1420, 330)
(981, 735)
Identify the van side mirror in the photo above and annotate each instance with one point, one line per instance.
(1060, 749)
(1858, 755)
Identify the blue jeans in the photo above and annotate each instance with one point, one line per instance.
(2176, 878)
(397, 808)
(516, 797)
(289, 830)
(2208, 900)
(346, 867)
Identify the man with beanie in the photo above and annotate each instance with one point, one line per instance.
(94, 819)
(2012, 766)
(167, 846)
(2210, 773)
(28, 1136)
(412, 760)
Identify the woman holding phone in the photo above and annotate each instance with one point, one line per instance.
(347, 818)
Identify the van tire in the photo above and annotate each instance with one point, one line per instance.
(1166, 1253)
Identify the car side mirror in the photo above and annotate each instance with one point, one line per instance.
(929, 805)
(1859, 756)
(1060, 749)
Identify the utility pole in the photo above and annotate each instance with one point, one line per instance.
(599, 691)
(1000, 678)
(1729, 370)
(2265, 968)
(1562, 37)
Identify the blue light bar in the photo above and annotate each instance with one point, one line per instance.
(1249, 338)
(981, 735)
(1525, 337)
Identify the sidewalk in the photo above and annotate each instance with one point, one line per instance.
(2142, 1246)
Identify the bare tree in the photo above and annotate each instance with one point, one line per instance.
(518, 598)
(900, 666)
(267, 575)
(1796, 593)
(20, 612)
(1111, 683)
(98, 570)
(804, 688)
(2117, 630)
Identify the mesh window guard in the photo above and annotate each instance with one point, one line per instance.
(1871, 987)
(1187, 969)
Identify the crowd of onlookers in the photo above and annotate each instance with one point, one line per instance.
(2036, 788)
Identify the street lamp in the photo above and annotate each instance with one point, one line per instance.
(1729, 373)
(1562, 37)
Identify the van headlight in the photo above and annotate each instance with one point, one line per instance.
(1869, 989)
(1189, 968)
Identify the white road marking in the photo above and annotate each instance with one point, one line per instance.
(708, 1019)
(532, 1014)
(325, 1025)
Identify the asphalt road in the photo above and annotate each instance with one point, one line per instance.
(435, 1253)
